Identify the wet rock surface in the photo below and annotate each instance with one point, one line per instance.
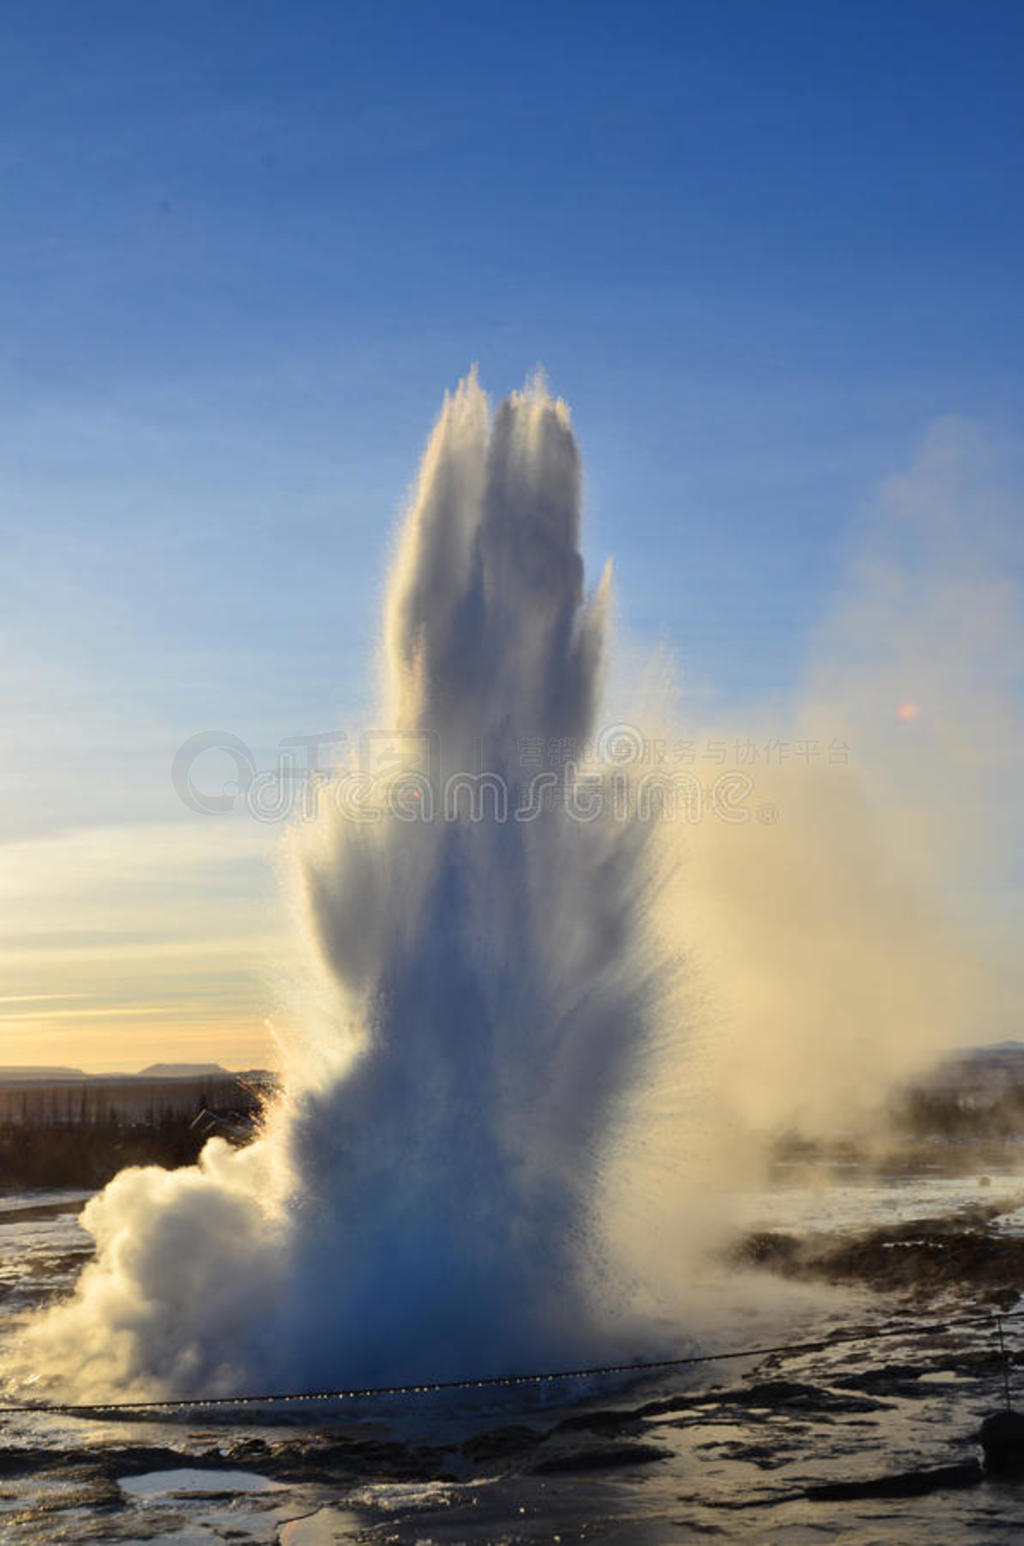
(607, 1458)
(924, 1258)
(824, 1439)
(903, 1484)
(839, 1439)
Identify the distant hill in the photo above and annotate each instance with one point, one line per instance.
(184, 1071)
(23, 1073)
(11, 1075)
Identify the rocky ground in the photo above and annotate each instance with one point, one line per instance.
(865, 1433)
(921, 1259)
(830, 1443)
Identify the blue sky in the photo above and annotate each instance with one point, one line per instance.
(245, 247)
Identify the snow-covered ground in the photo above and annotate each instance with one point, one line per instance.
(869, 1203)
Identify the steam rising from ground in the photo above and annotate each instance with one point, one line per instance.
(527, 1044)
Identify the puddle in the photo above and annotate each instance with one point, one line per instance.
(189, 1483)
(327, 1527)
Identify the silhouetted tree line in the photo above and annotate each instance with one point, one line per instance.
(936, 1113)
(87, 1155)
(935, 1126)
(99, 1101)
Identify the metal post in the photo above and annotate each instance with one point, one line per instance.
(1006, 1362)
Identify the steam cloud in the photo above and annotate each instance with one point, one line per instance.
(525, 1046)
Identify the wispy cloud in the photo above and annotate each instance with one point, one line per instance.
(124, 944)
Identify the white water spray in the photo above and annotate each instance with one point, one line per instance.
(421, 1204)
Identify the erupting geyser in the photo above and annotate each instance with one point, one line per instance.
(494, 1150)
(421, 1204)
